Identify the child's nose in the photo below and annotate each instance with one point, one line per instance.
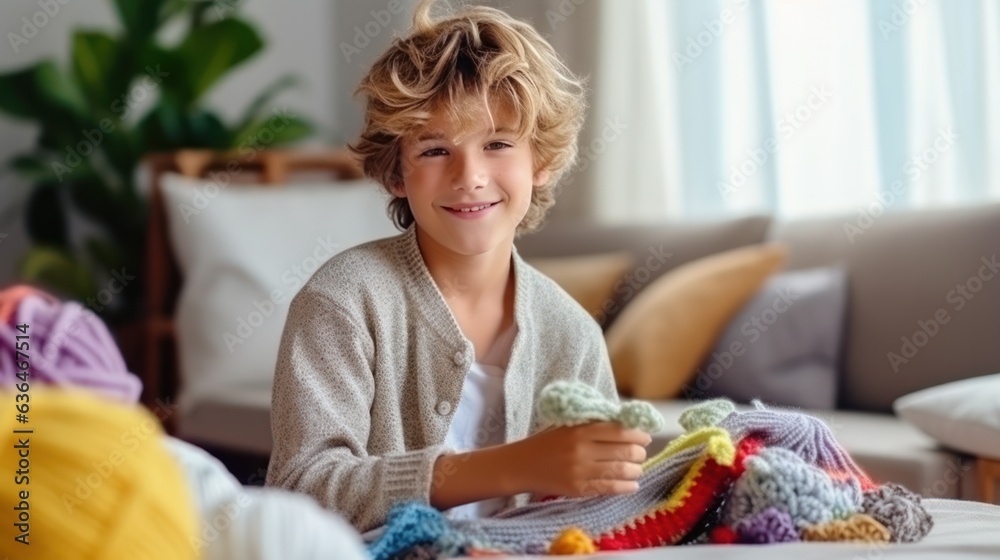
(470, 173)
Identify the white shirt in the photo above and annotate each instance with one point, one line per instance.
(479, 419)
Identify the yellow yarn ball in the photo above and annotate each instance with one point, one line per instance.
(572, 541)
(92, 480)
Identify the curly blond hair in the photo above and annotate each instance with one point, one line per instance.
(476, 55)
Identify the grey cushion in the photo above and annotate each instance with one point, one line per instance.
(657, 248)
(783, 347)
(904, 269)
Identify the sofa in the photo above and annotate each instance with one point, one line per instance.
(901, 269)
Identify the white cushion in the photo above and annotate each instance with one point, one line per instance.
(244, 251)
(963, 415)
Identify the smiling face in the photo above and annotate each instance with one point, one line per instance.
(468, 192)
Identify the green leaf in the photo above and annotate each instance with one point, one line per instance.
(50, 167)
(210, 51)
(265, 97)
(18, 93)
(45, 216)
(272, 132)
(62, 110)
(33, 92)
(140, 19)
(162, 128)
(57, 89)
(32, 168)
(55, 269)
(205, 130)
(99, 68)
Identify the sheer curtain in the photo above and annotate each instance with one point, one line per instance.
(704, 108)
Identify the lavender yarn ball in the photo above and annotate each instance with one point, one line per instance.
(69, 347)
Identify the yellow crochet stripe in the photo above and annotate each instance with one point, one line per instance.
(719, 446)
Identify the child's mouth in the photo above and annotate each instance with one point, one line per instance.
(472, 212)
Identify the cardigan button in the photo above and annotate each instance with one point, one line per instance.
(443, 408)
(459, 358)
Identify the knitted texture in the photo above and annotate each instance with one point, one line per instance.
(762, 476)
(70, 346)
(777, 478)
(900, 511)
(572, 541)
(769, 526)
(568, 403)
(709, 413)
(857, 528)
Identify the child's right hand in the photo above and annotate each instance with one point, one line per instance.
(586, 460)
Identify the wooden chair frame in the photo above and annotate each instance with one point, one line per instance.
(157, 356)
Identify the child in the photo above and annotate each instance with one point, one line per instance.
(409, 366)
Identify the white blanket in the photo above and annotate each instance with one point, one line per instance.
(962, 530)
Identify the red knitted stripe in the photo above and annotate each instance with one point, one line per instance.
(722, 534)
(750, 445)
(663, 528)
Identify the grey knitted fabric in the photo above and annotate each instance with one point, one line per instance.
(893, 506)
(531, 528)
(371, 367)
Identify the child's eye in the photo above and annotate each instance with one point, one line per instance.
(432, 152)
(497, 145)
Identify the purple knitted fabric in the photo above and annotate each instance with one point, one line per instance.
(769, 526)
(806, 436)
(67, 346)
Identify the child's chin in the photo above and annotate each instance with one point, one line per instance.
(477, 244)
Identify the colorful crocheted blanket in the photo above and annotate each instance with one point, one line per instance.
(761, 476)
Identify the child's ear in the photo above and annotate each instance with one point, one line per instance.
(397, 190)
(542, 177)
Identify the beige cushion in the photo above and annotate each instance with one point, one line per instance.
(658, 248)
(589, 279)
(666, 332)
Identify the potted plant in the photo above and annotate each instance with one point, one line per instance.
(96, 123)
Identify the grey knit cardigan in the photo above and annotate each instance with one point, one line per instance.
(370, 372)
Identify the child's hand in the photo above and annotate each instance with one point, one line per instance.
(586, 460)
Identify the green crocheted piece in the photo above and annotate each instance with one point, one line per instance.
(568, 403)
(705, 414)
